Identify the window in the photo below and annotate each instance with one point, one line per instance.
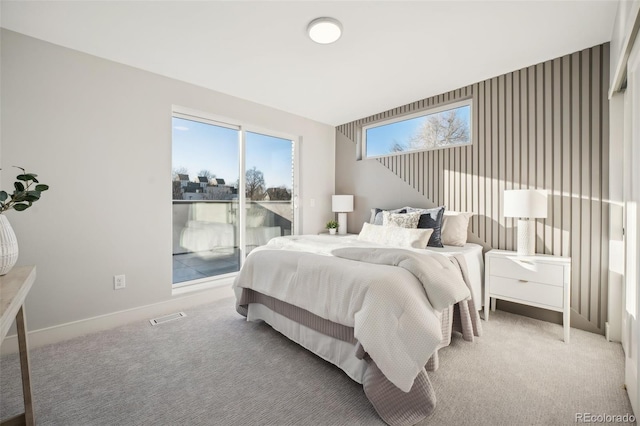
(445, 127)
(218, 218)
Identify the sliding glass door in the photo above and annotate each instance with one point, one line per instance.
(205, 198)
(219, 218)
(268, 188)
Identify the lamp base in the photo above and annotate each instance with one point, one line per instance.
(342, 221)
(526, 237)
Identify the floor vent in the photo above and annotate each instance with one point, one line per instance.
(167, 318)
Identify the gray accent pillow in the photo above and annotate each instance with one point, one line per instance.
(431, 219)
(376, 215)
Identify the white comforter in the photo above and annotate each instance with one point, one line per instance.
(386, 305)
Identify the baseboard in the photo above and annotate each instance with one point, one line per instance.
(59, 333)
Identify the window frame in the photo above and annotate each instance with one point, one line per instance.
(421, 113)
(220, 121)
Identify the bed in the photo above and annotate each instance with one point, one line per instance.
(378, 313)
(474, 258)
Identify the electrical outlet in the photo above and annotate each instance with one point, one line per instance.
(119, 282)
(312, 202)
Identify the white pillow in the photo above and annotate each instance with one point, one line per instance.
(402, 220)
(395, 236)
(454, 228)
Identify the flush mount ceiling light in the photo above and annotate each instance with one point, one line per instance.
(324, 30)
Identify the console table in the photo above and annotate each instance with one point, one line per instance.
(14, 288)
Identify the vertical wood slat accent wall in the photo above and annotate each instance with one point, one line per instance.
(546, 127)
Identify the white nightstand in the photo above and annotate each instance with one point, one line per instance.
(334, 235)
(541, 280)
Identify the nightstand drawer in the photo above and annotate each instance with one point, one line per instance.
(527, 291)
(527, 270)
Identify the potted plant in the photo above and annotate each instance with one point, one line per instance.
(23, 196)
(332, 226)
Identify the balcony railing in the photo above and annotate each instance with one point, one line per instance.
(206, 237)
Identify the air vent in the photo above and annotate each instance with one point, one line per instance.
(167, 318)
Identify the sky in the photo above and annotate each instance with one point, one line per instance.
(381, 139)
(199, 146)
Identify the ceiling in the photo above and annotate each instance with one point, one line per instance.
(391, 52)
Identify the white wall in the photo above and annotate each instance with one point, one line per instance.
(620, 47)
(373, 185)
(623, 184)
(99, 133)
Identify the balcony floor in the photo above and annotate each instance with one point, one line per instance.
(194, 266)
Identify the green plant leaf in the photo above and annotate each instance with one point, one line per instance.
(20, 207)
(24, 194)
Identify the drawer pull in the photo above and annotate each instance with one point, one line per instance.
(523, 281)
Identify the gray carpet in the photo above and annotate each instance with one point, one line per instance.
(214, 368)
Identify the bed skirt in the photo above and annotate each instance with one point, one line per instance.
(394, 406)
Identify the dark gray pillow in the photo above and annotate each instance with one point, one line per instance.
(431, 218)
(376, 215)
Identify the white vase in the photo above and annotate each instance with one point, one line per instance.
(332, 231)
(8, 246)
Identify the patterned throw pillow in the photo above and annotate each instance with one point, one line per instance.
(400, 220)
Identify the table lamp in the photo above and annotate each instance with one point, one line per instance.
(342, 204)
(526, 204)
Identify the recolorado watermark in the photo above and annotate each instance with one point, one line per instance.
(604, 418)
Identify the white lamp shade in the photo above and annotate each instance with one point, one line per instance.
(528, 203)
(342, 203)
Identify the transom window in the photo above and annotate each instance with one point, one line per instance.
(443, 127)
